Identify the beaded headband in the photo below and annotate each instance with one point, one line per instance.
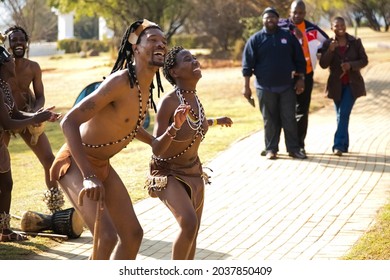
(133, 38)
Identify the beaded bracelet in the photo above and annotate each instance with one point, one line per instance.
(174, 127)
(170, 134)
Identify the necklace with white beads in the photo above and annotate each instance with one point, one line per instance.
(194, 120)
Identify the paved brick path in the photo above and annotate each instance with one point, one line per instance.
(286, 209)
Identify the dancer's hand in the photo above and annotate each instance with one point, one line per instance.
(54, 116)
(93, 188)
(40, 117)
(47, 114)
(180, 115)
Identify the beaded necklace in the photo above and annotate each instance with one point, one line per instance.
(133, 133)
(195, 122)
(8, 102)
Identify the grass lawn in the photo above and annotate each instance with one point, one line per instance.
(220, 92)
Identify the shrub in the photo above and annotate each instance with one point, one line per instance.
(77, 45)
(69, 45)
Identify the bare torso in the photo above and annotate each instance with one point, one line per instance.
(27, 71)
(187, 139)
(116, 121)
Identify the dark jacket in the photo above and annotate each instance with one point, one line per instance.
(314, 34)
(272, 58)
(356, 56)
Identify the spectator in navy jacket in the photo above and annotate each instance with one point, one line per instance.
(274, 56)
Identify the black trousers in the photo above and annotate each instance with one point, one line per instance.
(302, 109)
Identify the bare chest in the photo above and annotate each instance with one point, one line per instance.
(116, 125)
(24, 76)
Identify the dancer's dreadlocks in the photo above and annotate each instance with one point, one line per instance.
(126, 54)
(170, 62)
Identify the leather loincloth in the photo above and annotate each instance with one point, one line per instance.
(192, 176)
(63, 161)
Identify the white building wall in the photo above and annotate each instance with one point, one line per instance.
(65, 26)
(104, 31)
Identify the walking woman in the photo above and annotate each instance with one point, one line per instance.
(344, 55)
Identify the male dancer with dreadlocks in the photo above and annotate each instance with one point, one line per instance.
(29, 73)
(99, 127)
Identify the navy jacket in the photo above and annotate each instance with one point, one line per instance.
(272, 58)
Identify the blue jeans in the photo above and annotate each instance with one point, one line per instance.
(343, 109)
(278, 111)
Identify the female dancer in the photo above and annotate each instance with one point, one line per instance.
(176, 174)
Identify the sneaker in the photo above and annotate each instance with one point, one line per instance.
(337, 152)
(271, 155)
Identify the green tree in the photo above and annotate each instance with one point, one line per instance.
(87, 27)
(34, 16)
(373, 11)
(253, 21)
(356, 11)
(227, 21)
(119, 14)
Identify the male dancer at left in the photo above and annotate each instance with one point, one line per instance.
(12, 118)
(31, 99)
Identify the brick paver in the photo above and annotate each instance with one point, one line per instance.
(286, 209)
